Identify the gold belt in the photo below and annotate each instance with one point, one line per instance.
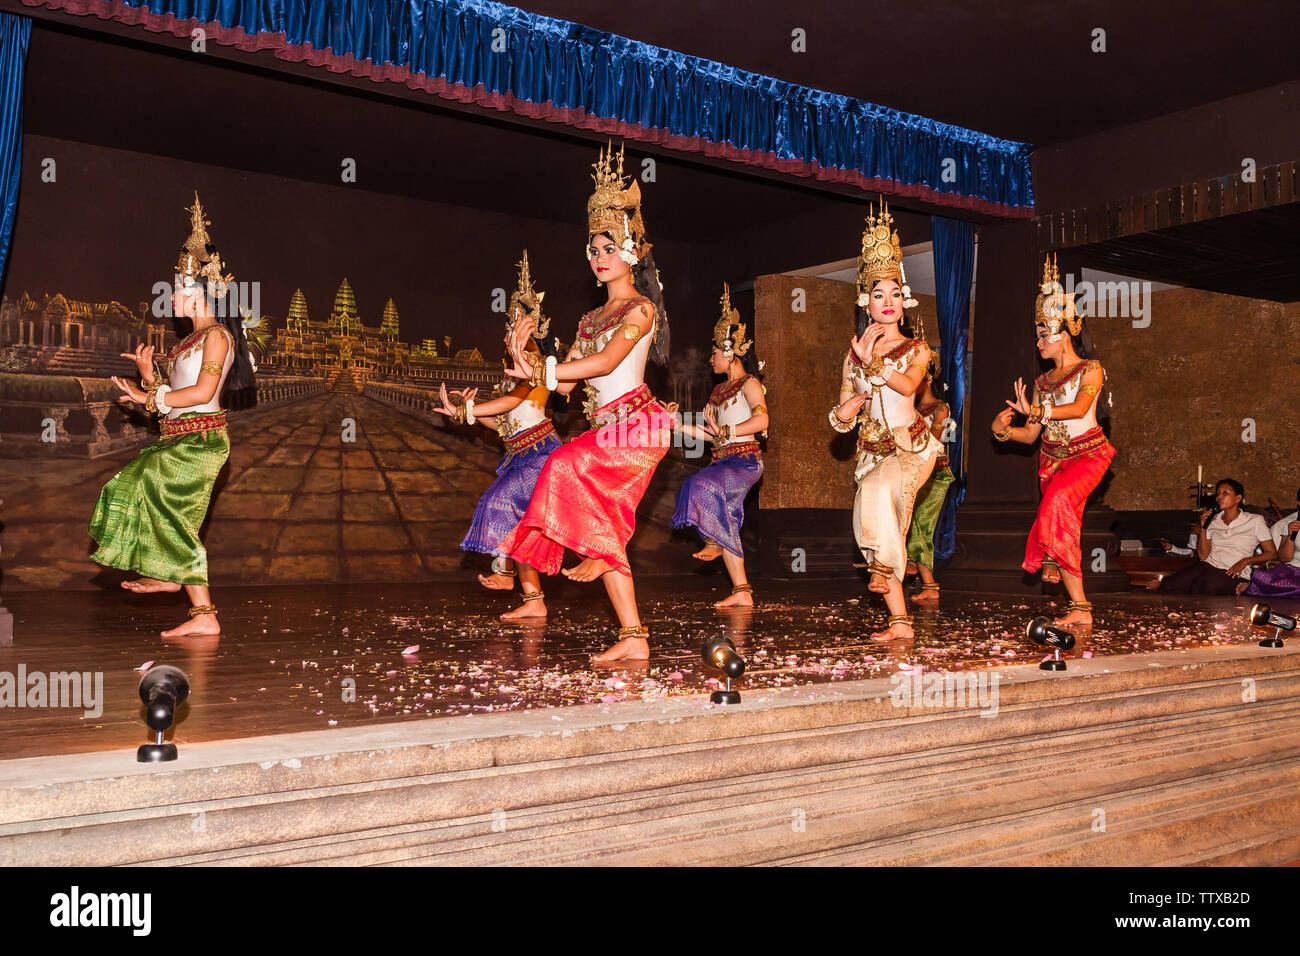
(192, 423)
(732, 449)
(528, 436)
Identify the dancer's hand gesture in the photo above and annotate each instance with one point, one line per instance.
(1021, 404)
(129, 392)
(864, 345)
(143, 359)
(445, 406)
(710, 422)
(1003, 421)
(518, 344)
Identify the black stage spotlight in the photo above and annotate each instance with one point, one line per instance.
(720, 653)
(1046, 634)
(163, 689)
(1261, 615)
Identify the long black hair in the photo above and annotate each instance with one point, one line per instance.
(1085, 349)
(645, 280)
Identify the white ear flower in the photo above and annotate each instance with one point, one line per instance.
(761, 365)
(863, 299)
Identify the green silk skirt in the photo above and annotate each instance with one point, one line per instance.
(148, 516)
(925, 517)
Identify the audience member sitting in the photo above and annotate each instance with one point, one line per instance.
(1209, 507)
(1282, 581)
(1226, 548)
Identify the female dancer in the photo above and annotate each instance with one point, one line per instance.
(896, 451)
(519, 416)
(1075, 453)
(588, 491)
(929, 500)
(148, 516)
(713, 499)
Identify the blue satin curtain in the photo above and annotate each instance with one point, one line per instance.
(544, 61)
(954, 268)
(15, 34)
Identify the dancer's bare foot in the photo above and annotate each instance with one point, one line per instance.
(497, 582)
(151, 586)
(198, 624)
(533, 609)
(926, 596)
(1153, 584)
(898, 631)
(628, 649)
(1051, 574)
(878, 584)
(737, 599)
(1241, 587)
(911, 568)
(588, 570)
(1075, 619)
(708, 553)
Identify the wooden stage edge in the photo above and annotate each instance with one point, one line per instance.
(1154, 758)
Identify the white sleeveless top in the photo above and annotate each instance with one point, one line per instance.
(1064, 393)
(731, 407)
(531, 411)
(630, 372)
(899, 410)
(185, 364)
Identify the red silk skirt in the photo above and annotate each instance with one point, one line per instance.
(587, 494)
(1066, 483)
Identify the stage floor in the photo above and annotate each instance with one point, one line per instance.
(282, 664)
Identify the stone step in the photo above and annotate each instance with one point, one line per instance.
(1164, 743)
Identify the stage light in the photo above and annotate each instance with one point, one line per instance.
(1261, 615)
(163, 689)
(720, 653)
(1046, 634)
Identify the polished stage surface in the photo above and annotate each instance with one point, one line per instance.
(318, 657)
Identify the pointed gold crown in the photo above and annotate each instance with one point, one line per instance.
(525, 300)
(882, 252)
(195, 260)
(615, 206)
(723, 337)
(1053, 306)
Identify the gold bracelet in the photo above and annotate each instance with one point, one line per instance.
(1005, 436)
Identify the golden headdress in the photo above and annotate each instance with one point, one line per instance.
(195, 260)
(525, 299)
(882, 256)
(1054, 305)
(615, 206)
(730, 342)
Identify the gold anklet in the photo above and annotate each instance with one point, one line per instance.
(535, 596)
(1079, 606)
(875, 567)
(639, 630)
(198, 609)
(929, 587)
(742, 587)
(899, 619)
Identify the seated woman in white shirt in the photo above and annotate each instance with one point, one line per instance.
(1226, 547)
(1282, 581)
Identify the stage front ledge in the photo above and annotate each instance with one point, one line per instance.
(1164, 758)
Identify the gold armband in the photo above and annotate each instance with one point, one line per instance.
(212, 368)
(630, 331)
(1090, 389)
(759, 409)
